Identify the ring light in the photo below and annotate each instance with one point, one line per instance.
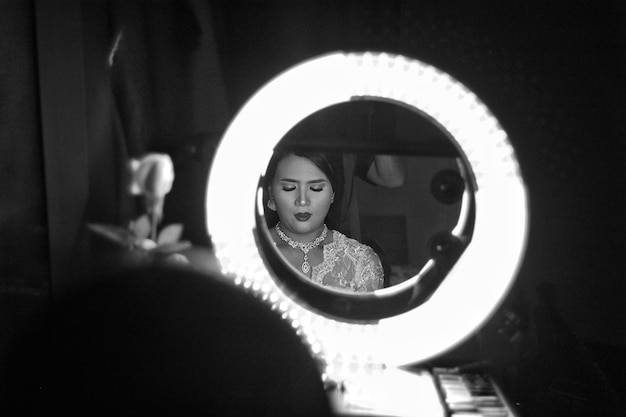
(477, 282)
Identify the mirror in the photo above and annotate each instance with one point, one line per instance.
(406, 222)
(372, 329)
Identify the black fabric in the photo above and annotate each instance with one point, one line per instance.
(162, 342)
(23, 224)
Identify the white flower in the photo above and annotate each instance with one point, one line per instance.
(152, 175)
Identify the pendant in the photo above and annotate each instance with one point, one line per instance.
(305, 264)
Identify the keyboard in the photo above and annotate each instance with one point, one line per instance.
(470, 394)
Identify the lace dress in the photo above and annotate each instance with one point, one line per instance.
(350, 265)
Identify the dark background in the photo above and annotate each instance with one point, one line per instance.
(551, 72)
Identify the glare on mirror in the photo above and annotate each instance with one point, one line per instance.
(394, 184)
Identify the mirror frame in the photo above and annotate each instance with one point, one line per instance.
(473, 288)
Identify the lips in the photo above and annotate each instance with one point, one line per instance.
(302, 217)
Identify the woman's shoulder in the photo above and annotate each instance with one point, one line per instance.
(340, 238)
(349, 242)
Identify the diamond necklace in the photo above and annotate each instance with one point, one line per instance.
(304, 247)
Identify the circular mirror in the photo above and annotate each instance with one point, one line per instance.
(496, 211)
(418, 222)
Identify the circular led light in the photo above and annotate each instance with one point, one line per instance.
(477, 282)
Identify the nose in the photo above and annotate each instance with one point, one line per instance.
(303, 198)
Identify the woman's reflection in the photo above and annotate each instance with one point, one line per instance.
(301, 189)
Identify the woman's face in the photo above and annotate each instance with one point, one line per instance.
(301, 194)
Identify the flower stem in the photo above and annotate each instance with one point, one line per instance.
(153, 226)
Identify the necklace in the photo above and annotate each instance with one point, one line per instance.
(304, 247)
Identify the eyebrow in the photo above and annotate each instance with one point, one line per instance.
(316, 181)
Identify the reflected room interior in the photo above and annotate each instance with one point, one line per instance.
(92, 87)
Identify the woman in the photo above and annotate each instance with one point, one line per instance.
(301, 188)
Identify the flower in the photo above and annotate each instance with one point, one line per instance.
(152, 176)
